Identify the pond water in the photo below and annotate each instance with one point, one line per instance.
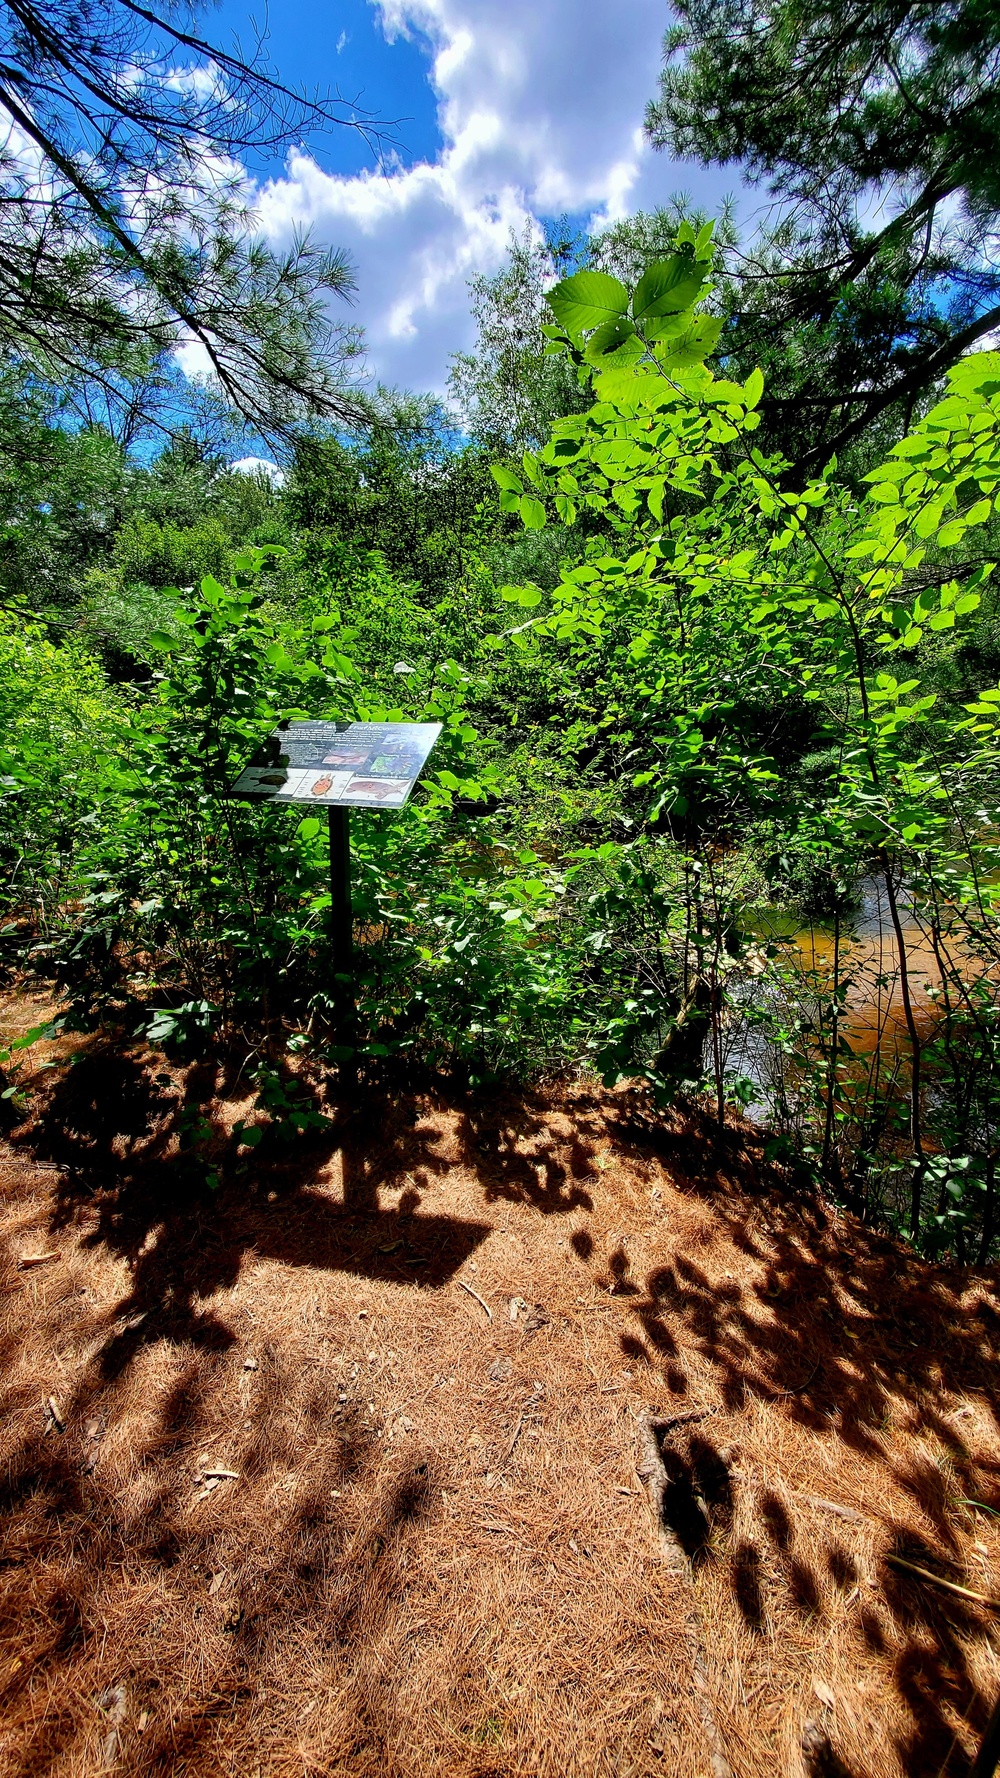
(869, 966)
(872, 1023)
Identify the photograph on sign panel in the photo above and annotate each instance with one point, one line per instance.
(349, 758)
(330, 785)
(377, 790)
(264, 781)
(381, 767)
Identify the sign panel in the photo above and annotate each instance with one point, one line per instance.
(359, 765)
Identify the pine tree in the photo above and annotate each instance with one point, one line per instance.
(875, 125)
(124, 223)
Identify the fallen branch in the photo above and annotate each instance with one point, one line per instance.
(477, 1296)
(937, 1580)
(689, 1419)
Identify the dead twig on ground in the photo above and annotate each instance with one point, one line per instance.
(938, 1580)
(54, 1419)
(477, 1296)
(799, 1388)
(832, 1506)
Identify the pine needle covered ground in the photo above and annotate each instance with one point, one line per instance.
(345, 1468)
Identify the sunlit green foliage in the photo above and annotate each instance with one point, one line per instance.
(686, 694)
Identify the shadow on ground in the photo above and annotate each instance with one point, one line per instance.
(842, 1331)
(110, 1127)
(845, 1331)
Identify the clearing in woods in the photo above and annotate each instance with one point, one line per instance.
(348, 1469)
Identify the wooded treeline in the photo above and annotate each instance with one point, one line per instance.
(695, 567)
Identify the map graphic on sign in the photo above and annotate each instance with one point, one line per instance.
(361, 765)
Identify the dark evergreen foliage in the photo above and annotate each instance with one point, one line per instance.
(876, 127)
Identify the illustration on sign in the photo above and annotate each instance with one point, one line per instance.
(362, 765)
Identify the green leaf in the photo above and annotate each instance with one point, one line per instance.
(532, 513)
(587, 300)
(753, 388)
(692, 346)
(521, 595)
(928, 519)
(609, 338)
(160, 639)
(309, 828)
(667, 287)
(632, 384)
(52, 1029)
(505, 478)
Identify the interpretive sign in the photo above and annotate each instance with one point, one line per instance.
(340, 766)
(358, 765)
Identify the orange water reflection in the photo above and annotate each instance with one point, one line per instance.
(874, 1017)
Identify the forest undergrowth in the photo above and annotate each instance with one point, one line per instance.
(718, 706)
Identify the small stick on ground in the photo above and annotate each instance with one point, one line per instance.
(477, 1296)
(34, 1259)
(937, 1580)
(832, 1506)
(800, 1388)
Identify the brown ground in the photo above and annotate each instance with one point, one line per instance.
(434, 1558)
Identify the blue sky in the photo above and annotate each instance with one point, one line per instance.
(343, 48)
(504, 112)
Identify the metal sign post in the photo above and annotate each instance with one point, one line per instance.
(341, 912)
(339, 765)
(342, 934)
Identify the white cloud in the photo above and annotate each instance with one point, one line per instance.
(540, 106)
(260, 466)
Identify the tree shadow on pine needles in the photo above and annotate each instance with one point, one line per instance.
(111, 1131)
(146, 1623)
(204, 1609)
(847, 1333)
